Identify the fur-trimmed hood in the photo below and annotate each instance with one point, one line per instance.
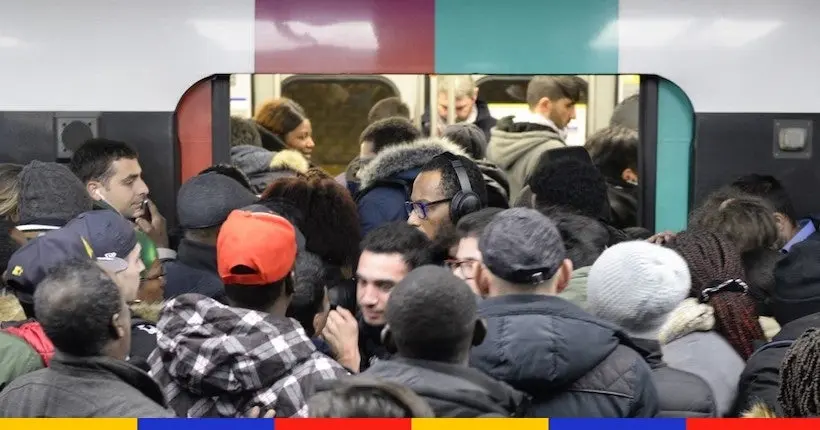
(407, 156)
(10, 309)
(759, 410)
(147, 311)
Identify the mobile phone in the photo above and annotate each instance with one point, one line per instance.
(146, 211)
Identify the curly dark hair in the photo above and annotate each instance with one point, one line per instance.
(799, 395)
(330, 220)
(713, 260)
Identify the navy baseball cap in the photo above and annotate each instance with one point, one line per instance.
(103, 235)
(522, 246)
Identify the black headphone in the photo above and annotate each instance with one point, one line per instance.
(465, 201)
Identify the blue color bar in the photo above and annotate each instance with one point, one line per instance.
(617, 424)
(205, 424)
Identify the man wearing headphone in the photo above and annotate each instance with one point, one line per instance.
(447, 188)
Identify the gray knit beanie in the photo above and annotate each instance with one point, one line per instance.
(637, 285)
(50, 194)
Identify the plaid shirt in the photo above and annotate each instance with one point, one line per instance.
(214, 360)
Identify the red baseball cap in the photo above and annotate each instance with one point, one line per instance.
(255, 248)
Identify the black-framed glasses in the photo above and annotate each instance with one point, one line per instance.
(422, 209)
(464, 269)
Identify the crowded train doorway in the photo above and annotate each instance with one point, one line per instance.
(338, 107)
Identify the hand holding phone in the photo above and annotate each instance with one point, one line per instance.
(146, 211)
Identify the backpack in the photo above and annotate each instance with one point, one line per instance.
(401, 184)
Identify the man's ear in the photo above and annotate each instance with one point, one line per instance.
(564, 275)
(482, 280)
(543, 107)
(117, 330)
(479, 332)
(387, 339)
(629, 176)
(93, 188)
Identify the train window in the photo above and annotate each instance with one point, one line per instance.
(503, 89)
(337, 106)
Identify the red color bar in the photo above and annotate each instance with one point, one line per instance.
(752, 424)
(342, 424)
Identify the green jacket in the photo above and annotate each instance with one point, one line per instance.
(518, 152)
(17, 358)
(576, 291)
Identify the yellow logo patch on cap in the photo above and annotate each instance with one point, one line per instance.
(17, 271)
(88, 249)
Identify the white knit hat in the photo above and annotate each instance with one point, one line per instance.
(637, 285)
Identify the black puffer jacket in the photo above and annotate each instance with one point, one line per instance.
(572, 364)
(760, 380)
(680, 394)
(452, 391)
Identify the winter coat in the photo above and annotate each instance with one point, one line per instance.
(571, 363)
(453, 391)
(517, 148)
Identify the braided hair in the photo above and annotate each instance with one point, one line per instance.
(799, 395)
(717, 272)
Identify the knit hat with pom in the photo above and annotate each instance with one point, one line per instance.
(637, 285)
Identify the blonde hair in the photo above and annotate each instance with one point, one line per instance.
(10, 190)
(463, 85)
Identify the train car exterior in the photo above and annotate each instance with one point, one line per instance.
(735, 64)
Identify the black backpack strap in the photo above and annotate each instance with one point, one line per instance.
(392, 183)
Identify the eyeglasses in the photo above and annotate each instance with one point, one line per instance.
(464, 269)
(422, 209)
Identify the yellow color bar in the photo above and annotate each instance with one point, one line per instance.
(68, 423)
(480, 424)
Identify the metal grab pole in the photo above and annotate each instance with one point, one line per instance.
(434, 118)
(451, 102)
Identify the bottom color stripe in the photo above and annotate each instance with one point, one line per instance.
(752, 424)
(68, 424)
(481, 424)
(341, 424)
(205, 424)
(618, 424)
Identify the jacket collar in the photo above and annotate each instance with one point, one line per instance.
(493, 387)
(32, 333)
(197, 255)
(650, 350)
(400, 158)
(538, 304)
(793, 329)
(475, 389)
(108, 368)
